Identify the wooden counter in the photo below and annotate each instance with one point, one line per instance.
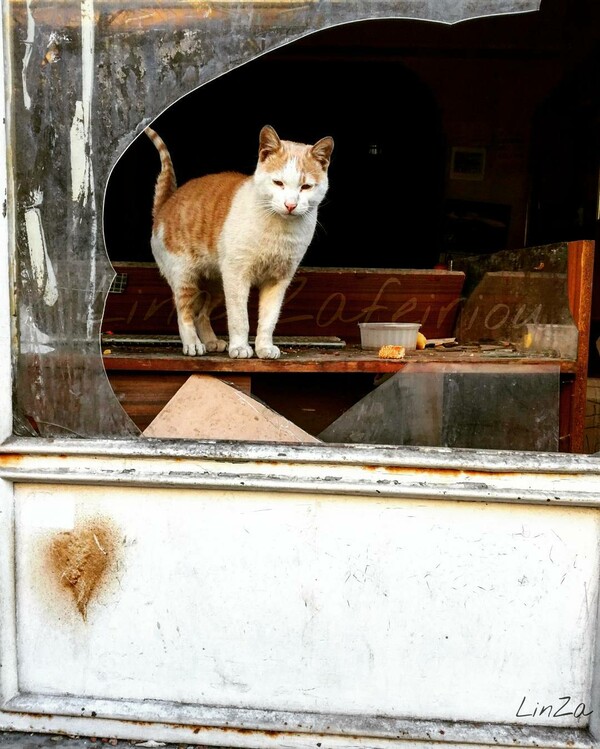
(312, 386)
(554, 286)
(347, 360)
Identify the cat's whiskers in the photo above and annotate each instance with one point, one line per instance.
(267, 205)
(319, 226)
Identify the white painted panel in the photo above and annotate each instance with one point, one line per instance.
(406, 608)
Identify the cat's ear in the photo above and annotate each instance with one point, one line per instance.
(269, 142)
(322, 151)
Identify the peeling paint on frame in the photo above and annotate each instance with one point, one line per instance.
(43, 272)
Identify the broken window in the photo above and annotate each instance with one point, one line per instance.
(87, 79)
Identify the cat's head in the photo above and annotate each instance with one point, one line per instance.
(291, 177)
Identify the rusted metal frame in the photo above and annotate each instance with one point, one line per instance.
(523, 483)
(407, 456)
(426, 489)
(300, 728)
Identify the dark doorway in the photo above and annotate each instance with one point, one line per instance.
(566, 171)
(565, 159)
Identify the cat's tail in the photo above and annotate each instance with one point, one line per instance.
(166, 184)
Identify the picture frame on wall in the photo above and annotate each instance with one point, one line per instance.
(467, 163)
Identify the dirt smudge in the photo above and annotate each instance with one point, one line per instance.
(79, 560)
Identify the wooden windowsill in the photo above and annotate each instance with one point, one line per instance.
(350, 359)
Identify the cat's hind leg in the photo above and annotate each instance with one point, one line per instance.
(187, 301)
(183, 283)
(211, 297)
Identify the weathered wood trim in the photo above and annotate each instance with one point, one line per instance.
(580, 275)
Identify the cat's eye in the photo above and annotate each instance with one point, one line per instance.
(306, 187)
(278, 182)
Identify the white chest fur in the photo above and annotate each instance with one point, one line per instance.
(262, 244)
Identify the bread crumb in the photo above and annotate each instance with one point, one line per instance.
(392, 352)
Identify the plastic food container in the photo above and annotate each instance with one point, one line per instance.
(374, 335)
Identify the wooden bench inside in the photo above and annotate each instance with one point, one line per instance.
(319, 302)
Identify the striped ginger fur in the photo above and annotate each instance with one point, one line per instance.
(166, 184)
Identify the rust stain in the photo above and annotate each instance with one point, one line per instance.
(10, 459)
(458, 473)
(79, 559)
(40, 716)
(195, 729)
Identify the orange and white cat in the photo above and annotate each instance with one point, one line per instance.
(228, 232)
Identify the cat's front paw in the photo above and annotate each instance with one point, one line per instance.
(194, 349)
(268, 352)
(240, 352)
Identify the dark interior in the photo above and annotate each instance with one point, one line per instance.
(386, 174)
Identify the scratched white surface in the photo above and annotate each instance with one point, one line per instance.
(402, 608)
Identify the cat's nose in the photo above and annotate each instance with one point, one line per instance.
(290, 205)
